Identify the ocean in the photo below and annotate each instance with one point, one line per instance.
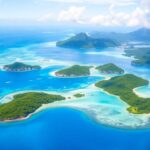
(98, 121)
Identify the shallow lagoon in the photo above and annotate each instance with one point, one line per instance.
(63, 127)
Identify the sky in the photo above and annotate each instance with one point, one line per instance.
(106, 13)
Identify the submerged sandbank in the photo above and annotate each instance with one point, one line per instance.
(102, 107)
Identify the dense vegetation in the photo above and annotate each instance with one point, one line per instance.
(82, 40)
(24, 104)
(123, 86)
(110, 68)
(75, 70)
(18, 66)
(78, 95)
(142, 56)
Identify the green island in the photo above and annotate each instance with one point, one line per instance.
(79, 95)
(24, 104)
(74, 71)
(141, 55)
(110, 69)
(19, 67)
(123, 86)
(84, 41)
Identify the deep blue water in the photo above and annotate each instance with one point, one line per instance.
(67, 129)
(60, 128)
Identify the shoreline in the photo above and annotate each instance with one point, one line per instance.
(82, 107)
(10, 96)
(139, 94)
(106, 76)
(123, 100)
(88, 113)
(102, 90)
(69, 96)
(70, 102)
(54, 75)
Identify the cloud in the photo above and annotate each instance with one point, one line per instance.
(73, 14)
(138, 17)
(145, 6)
(108, 20)
(113, 19)
(116, 13)
(141, 15)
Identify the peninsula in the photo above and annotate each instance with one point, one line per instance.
(84, 41)
(20, 67)
(74, 71)
(123, 86)
(110, 69)
(24, 104)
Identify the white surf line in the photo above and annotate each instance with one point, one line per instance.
(67, 94)
(82, 107)
(143, 95)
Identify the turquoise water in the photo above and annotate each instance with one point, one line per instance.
(89, 123)
(67, 129)
(40, 80)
